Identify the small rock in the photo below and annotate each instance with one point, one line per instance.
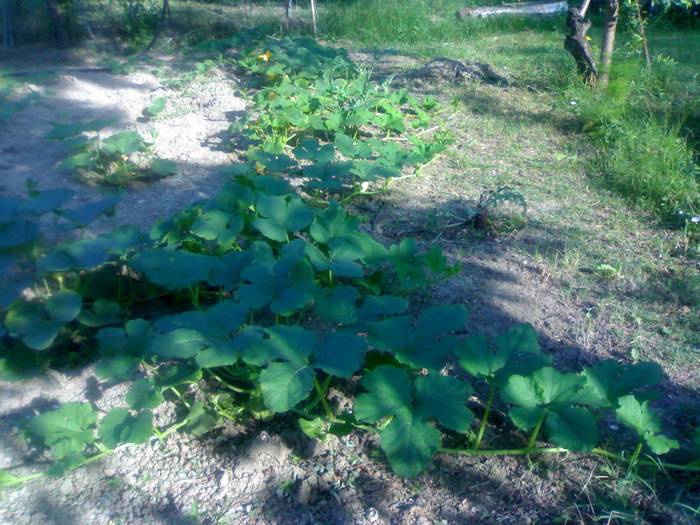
(306, 487)
(225, 479)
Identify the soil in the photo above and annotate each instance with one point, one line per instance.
(270, 473)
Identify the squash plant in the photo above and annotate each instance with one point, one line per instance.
(321, 118)
(115, 160)
(256, 302)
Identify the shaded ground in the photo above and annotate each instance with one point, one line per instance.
(271, 473)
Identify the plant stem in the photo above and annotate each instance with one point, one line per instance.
(17, 481)
(503, 452)
(485, 418)
(178, 394)
(533, 437)
(194, 295)
(336, 420)
(322, 397)
(671, 466)
(636, 453)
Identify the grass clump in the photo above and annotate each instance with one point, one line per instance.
(384, 22)
(637, 124)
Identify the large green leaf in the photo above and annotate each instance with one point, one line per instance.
(514, 353)
(218, 225)
(18, 232)
(84, 215)
(340, 354)
(286, 287)
(144, 394)
(410, 440)
(46, 201)
(613, 380)
(572, 427)
(226, 271)
(408, 263)
(638, 415)
(329, 175)
(280, 216)
(173, 269)
(179, 374)
(64, 306)
(124, 143)
(67, 429)
(333, 222)
(82, 160)
(65, 463)
(87, 254)
(64, 131)
(285, 384)
(544, 387)
(180, 343)
(103, 312)
(337, 305)
(84, 254)
(426, 345)
(558, 397)
(291, 343)
(351, 148)
(120, 426)
(390, 394)
(311, 149)
(18, 364)
(287, 352)
(526, 417)
(375, 306)
(370, 170)
(442, 398)
(340, 259)
(641, 418)
(274, 162)
(199, 419)
(31, 323)
(409, 445)
(123, 348)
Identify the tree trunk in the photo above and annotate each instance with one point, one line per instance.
(9, 31)
(313, 15)
(62, 38)
(287, 14)
(612, 9)
(577, 43)
(641, 31)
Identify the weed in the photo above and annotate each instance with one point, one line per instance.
(156, 107)
(116, 160)
(487, 216)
